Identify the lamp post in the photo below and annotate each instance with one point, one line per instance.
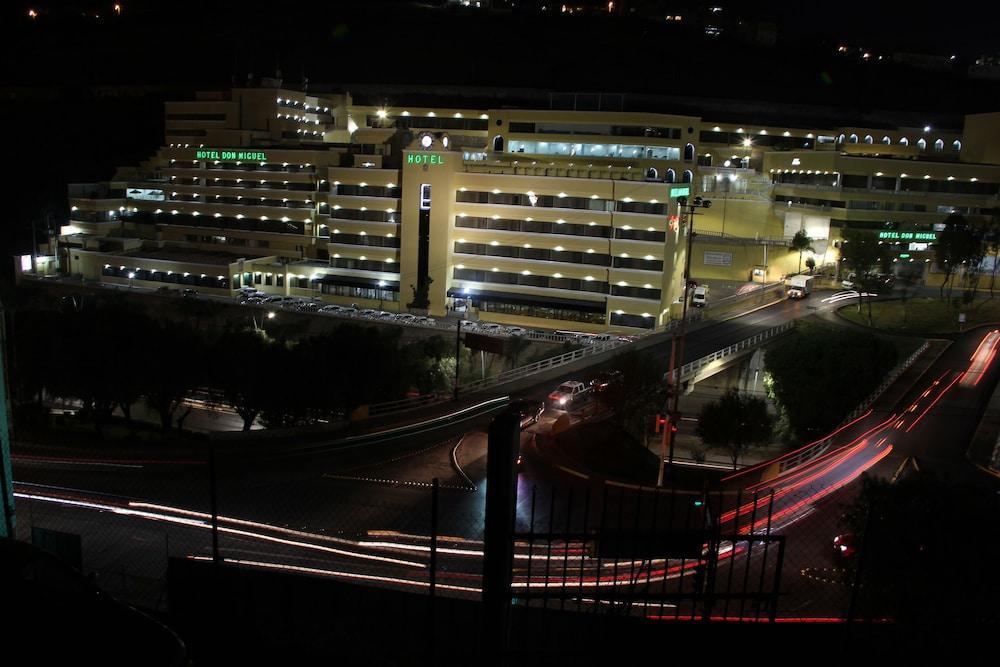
(677, 344)
(131, 275)
(381, 284)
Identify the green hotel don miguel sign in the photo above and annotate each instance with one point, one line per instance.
(229, 154)
(908, 236)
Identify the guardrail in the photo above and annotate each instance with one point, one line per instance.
(693, 367)
(543, 365)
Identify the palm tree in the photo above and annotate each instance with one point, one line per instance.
(801, 242)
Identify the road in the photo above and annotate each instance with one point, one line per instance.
(360, 513)
(929, 426)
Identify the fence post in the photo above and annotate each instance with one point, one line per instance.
(213, 502)
(498, 543)
(432, 611)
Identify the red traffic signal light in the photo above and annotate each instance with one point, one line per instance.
(659, 421)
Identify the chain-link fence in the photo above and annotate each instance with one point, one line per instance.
(610, 552)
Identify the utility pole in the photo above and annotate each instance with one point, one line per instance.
(677, 344)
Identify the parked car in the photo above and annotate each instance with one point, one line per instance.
(405, 318)
(309, 306)
(469, 324)
(189, 292)
(385, 315)
(424, 320)
(253, 301)
(368, 312)
(517, 331)
(330, 309)
(348, 310)
(568, 392)
(490, 328)
(848, 282)
(529, 409)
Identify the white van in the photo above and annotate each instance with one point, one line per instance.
(700, 298)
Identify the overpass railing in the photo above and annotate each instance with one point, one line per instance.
(691, 368)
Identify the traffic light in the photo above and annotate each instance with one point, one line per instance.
(659, 422)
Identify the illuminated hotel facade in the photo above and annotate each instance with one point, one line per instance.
(541, 218)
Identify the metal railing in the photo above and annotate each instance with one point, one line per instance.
(691, 368)
(543, 365)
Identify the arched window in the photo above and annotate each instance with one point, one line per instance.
(957, 145)
(903, 141)
(689, 152)
(670, 176)
(921, 144)
(688, 176)
(939, 145)
(840, 139)
(651, 174)
(498, 144)
(886, 140)
(853, 139)
(868, 139)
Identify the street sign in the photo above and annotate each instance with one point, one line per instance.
(680, 191)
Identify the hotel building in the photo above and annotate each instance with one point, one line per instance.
(541, 218)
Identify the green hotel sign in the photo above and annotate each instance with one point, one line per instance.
(424, 158)
(680, 191)
(908, 236)
(230, 154)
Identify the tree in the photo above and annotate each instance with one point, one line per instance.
(991, 241)
(735, 423)
(818, 374)
(811, 264)
(957, 244)
(174, 368)
(421, 294)
(864, 253)
(801, 243)
(514, 347)
(640, 394)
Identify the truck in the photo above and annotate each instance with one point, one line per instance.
(700, 298)
(800, 287)
(568, 392)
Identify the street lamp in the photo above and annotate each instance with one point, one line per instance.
(131, 275)
(381, 284)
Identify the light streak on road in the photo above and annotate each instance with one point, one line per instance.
(843, 296)
(981, 359)
(340, 574)
(934, 402)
